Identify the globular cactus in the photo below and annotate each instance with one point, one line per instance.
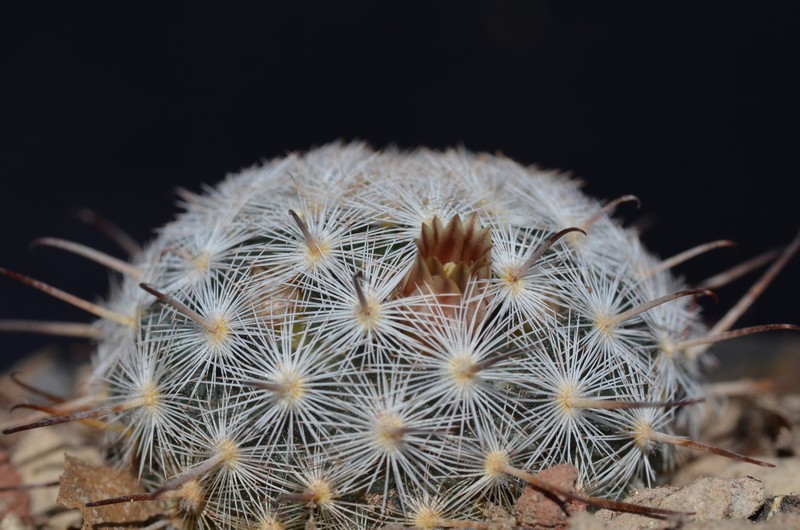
(354, 338)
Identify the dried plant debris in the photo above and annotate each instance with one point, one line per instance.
(779, 504)
(83, 482)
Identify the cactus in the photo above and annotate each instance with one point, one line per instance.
(349, 338)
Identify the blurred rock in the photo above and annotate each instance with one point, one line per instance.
(782, 479)
(707, 498)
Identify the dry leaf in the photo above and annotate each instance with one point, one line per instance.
(83, 482)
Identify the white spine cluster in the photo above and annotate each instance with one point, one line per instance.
(354, 338)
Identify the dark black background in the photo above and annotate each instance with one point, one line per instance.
(692, 106)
